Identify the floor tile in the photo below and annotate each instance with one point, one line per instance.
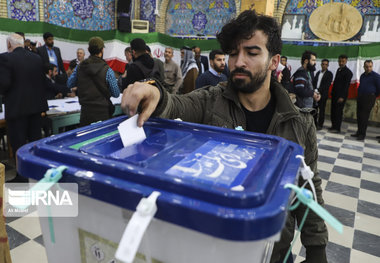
(367, 243)
(372, 156)
(326, 159)
(351, 152)
(325, 167)
(366, 223)
(369, 208)
(371, 169)
(373, 146)
(39, 240)
(29, 226)
(28, 251)
(337, 253)
(324, 174)
(343, 179)
(344, 216)
(371, 162)
(328, 148)
(358, 256)
(346, 171)
(338, 200)
(372, 186)
(352, 165)
(350, 158)
(352, 147)
(15, 238)
(333, 139)
(327, 153)
(342, 189)
(344, 239)
(370, 176)
(369, 196)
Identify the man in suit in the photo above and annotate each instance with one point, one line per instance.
(339, 93)
(202, 61)
(51, 54)
(23, 87)
(55, 90)
(322, 82)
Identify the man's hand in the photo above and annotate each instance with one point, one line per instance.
(124, 74)
(143, 94)
(316, 96)
(58, 96)
(340, 100)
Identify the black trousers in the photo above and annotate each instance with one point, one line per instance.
(321, 110)
(364, 105)
(23, 130)
(336, 113)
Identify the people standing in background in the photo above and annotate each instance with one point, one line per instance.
(202, 61)
(369, 89)
(22, 83)
(215, 74)
(160, 64)
(302, 81)
(189, 70)
(96, 83)
(55, 90)
(322, 83)
(339, 93)
(285, 79)
(173, 74)
(51, 54)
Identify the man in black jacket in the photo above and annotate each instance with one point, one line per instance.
(23, 87)
(339, 93)
(322, 82)
(51, 54)
(143, 65)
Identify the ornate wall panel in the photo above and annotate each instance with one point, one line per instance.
(147, 10)
(306, 7)
(198, 17)
(81, 14)
(24, 10)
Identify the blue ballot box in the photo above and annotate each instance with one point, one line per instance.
(222, 196)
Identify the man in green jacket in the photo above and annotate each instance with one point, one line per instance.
(252, 100)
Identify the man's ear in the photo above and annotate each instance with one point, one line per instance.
(273, 64)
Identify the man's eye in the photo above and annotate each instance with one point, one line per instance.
(232, 54)
(252, 54)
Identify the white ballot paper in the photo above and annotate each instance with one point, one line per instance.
(130, 133)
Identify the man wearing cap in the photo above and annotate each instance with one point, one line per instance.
(96, 83)
(51, 54)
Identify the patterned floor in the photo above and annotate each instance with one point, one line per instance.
(351, 181)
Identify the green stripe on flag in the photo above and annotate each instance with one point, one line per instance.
(81, 144)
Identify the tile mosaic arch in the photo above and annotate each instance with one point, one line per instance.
(24, 10)
(81, 14)
(198, 17)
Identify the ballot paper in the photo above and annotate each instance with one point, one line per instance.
(130, 133)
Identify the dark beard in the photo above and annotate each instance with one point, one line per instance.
(310, 67)
(218, 69)
(50, 44)
(253, 85)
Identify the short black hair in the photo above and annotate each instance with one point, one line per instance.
(138, 44)
(215, 52)
(307, 55)
(47, 35)
(368, 61)
(325, 60)
(73, 64)
(20, 33)
(128, 49)
(244, 26)
(285, 57)
(343, 56)
(147, 48)
(49, 66)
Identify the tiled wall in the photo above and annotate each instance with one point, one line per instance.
(24, 10)
(306, 7)
(198, 17)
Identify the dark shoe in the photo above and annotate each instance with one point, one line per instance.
(355, 135)
(377, 137)
(335, 131)
(319, 128)
(331, 129)
(360, 138)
